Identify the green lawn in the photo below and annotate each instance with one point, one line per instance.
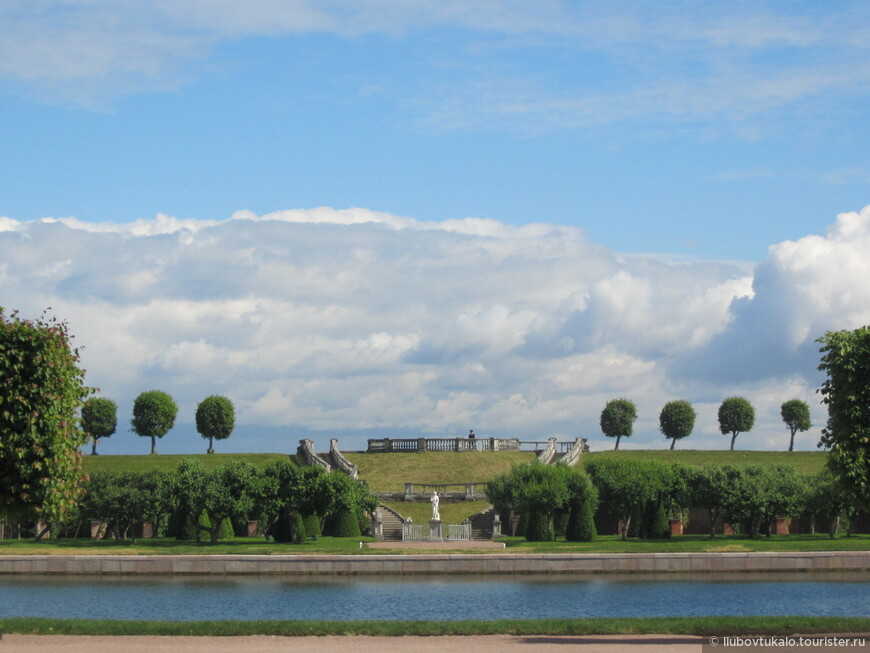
(699, 626)
(388, 472)
(169, 462)
(171, 546)
(350, 546)
(694, 544)
(805, 462)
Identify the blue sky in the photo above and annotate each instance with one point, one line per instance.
(667, 145)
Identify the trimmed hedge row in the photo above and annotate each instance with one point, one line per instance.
(642, 496)
(289, 503)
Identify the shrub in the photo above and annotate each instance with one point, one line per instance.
(312, 525)
(346, 524)
(540, 528)
(583, 503)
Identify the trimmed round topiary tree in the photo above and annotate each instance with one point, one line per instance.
(154, 414)
(99, 419)
(215, 419)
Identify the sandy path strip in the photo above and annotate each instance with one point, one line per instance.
(355, 644)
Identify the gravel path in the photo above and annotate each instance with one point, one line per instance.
(437, 546)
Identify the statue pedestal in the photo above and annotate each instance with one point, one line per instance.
(435, 530)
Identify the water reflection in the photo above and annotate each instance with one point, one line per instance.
(435, 597)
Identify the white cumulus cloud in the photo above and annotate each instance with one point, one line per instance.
(353, 321)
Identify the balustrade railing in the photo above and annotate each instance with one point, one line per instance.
(469, 491)
(459, 532)
(412, 532)
(407, 445)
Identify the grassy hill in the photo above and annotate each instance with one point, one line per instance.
(170, 461)
(805, 462)
(387, 472)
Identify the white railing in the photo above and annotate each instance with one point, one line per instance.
(461, 532)
(412, 532)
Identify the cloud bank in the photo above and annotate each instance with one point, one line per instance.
(354, 321)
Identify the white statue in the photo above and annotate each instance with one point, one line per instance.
(435, 513)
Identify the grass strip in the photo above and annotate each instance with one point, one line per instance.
(350, 546)
(636, 626)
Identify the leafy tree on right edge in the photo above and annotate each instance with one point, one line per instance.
(846, 392)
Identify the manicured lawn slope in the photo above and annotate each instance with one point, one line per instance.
(388, 472)
(170, 461)
(805, 462)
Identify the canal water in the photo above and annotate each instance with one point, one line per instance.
(447, 598)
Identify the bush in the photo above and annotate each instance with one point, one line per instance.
(539, 528)
(659, 525)
(581, 523)
(560, 522)
(227, 531)
(522, 525)
(312, 525)
(346, 524)
(300, 534)
(583, 503)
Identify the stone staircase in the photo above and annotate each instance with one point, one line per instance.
(392, 523)
(481, 524)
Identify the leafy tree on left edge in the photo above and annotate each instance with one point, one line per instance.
(41, 391)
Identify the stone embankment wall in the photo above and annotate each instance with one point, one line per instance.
(494, 563)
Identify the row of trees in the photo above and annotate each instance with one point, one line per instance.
(645, 495)
(42, 389)
(552, 499)
(677, 418)
(154, 414)
(288, 502)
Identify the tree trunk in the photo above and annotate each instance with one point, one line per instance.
(617, 442)
(733, 437)
(626, 522)
(40, 532)
(153, 445)
(712, 514)
(94, 449)
(791, 443)
(673, 442)
(210, 446)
